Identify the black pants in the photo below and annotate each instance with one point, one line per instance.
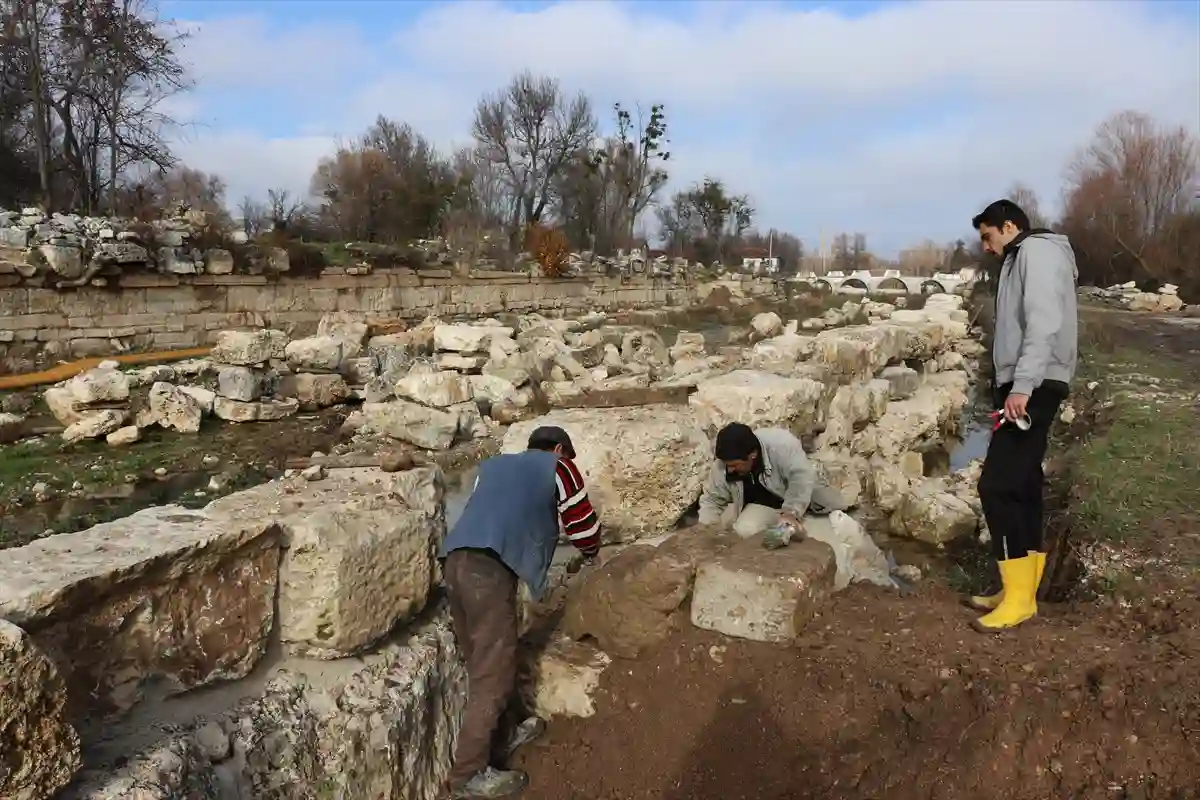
(1010, 487)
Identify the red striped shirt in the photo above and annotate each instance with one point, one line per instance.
(579, 520)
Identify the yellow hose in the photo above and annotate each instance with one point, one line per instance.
(63, 371)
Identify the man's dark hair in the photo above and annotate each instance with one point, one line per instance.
(1000, 212)
(736, 442)
(548, 437)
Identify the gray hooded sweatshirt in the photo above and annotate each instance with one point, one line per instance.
(1036, 319)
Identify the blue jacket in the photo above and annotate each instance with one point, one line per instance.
(514, 513)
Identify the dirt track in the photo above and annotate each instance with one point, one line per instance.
(895, 697)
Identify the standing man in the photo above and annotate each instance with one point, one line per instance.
(507, 532)
(763, 477)
(1034, 356)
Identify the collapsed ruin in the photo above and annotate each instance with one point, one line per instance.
(107, 630)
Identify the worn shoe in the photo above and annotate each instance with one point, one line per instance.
(1019, 602)
(491, 783)
(529, 730)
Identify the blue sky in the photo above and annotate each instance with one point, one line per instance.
(894, 119)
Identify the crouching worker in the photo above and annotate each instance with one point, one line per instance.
(507, 532)
(761, 478)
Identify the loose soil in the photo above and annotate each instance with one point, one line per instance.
(888, 696)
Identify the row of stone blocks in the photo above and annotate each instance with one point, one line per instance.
(178, 599)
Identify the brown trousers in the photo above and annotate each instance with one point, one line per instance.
(483, 609)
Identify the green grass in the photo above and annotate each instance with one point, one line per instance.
(1139, 460)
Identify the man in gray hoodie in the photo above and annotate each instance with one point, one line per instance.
(1034, 355)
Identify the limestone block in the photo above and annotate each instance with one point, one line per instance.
(853, 406)
(688, 344)
(785, 349)
(177, 407)
(218, 262)
(758, 399)
(460, 363)
(766, 325)
(930, 513)
(344, 325)
(94, 424)
(639, 596)
(99, 385)
(468, 338)
(644, 466)
(561, 679)
(360, 552)
(933, 410)
(645, 346)
(246, 348)
(764, 595)
(239, 383)
(258, 411)
(166, 595)
(315, 391)
(844, 472)
(492, 388)
(316, 354)
(902, 381)
(64, 260)
(430, 428)
(437, 389)
(40, 746)
(124, 436)
(61, 402)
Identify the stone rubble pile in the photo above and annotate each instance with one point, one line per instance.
(332, 567)
(1127, 295)
(73, 250)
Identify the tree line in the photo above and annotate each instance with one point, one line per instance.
(83, 85)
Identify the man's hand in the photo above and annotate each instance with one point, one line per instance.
(1014, 406)
(795, 522)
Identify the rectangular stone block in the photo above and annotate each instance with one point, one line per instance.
(764, 595)
(167, 596)
(360, 552)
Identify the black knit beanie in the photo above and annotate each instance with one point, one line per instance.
(735, 442)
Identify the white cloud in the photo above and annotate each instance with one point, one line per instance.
(988, 93)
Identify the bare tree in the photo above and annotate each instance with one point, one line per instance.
(1127, 192)
(254, 216)
(1027, 199)
(282, 208)
(531, 131)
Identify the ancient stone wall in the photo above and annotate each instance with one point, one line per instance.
(162, 312)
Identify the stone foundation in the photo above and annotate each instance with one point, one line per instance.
(163, 312)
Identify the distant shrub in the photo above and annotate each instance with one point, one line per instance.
(550, 248)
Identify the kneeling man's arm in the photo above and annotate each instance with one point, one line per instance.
(579, 520)
(716, 496)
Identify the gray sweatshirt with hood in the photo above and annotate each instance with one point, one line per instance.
(1036, 318)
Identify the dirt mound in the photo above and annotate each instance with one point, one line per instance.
(890, 697)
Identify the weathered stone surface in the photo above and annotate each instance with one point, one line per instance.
(385, 731)
(758, 399)
(246, 348)
(431, 428)
(468, 338)
(61, 403)
(934, 410)
(316, 354)
(764, 595)
(766, 325)
(643, 466)
(266, 410)
(902, 381)
(639, 596)
(560, 679)
(853, 406)
(929, 513)
(688, 344)
(437, 389)
(124, 436)
(239, 383)
(349, 327)
(360, 552)
(94, 424)
(40, 746)
(99, 386)
(315, 390)
(844, 472)
(182, 598)
(174, 407)
(781, 351)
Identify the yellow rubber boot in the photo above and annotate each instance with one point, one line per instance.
(1019, 603)
(1041, 569)
(985, 602)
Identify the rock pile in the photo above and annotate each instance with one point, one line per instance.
(72, 250)
(1127, 295)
